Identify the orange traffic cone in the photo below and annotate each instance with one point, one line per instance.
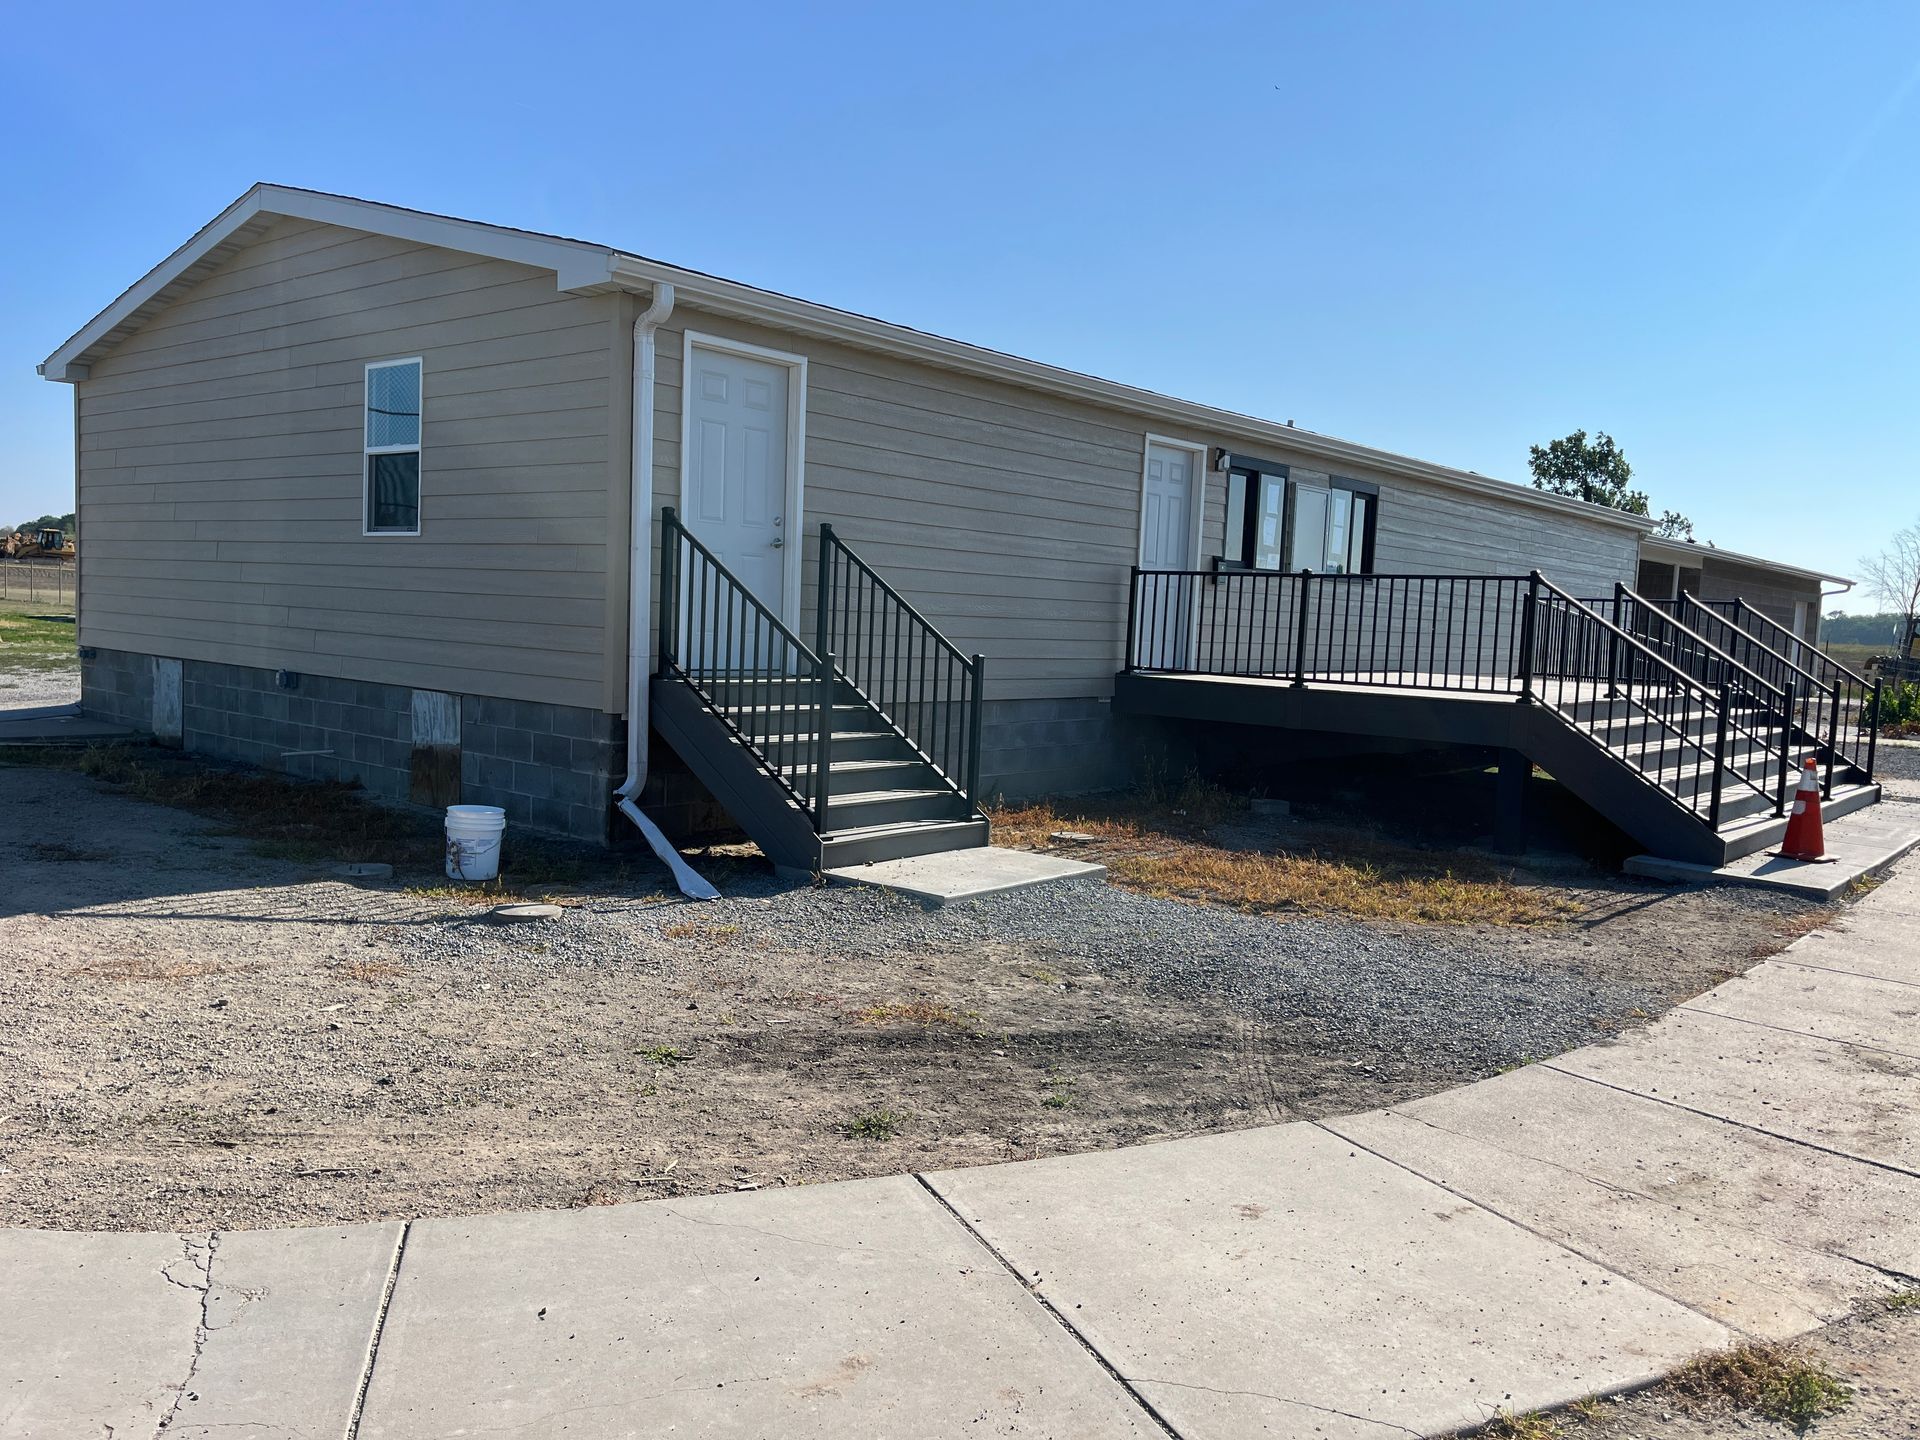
(1805, 840)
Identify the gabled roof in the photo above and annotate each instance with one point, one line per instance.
(582, 267)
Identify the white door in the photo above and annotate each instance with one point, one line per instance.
(736, 496)
(1166, 611)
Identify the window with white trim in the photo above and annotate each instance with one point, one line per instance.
(393, 448)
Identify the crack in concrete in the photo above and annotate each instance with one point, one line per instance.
(201, 1258)
(768, 1234)
(1278, 1400)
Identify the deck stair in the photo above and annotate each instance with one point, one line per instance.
(860, 747)
(1684, 723)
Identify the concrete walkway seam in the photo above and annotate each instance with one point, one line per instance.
(1742, 1124)
(1047, 1305)
(1519, 1224)
(1851, 974)
(1693, 1009)
(379, 1330)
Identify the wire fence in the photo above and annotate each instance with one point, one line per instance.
(39, 582)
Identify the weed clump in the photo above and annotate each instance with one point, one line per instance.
(1774, 1381)
(875, 1125)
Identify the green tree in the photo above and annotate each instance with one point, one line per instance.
(1597, 471)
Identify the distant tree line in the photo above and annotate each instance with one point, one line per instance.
(1879, 629)
(69, 523)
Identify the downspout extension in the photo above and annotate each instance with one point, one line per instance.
(639, 593)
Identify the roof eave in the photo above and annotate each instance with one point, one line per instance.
(1681, 549)
(746, 302)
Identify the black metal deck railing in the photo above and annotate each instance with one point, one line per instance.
(747, 668)
(1433, 632)
(919, 682)
(1691, 729)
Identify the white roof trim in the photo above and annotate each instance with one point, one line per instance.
(578, 265)
(1659, 548)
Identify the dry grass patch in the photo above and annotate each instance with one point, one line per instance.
(148, 967)
(911, 1012)
(1775, 1381)
(1533, 1426)
(1156, 843)
(370, 971)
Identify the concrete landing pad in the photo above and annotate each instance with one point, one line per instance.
(1285, 1282)
(1863, 843)
(1764, 1235)
(966, 874)
(243, 1332)
(1860, 1102)
(55, 725)
(839, 1310)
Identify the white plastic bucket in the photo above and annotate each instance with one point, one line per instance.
(473, 841)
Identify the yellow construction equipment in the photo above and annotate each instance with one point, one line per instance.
(46, 544)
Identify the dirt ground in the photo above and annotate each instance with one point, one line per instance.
(194, 1035)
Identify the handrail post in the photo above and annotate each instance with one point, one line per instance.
(669, 585)
(1300, 631)
(1133, 619)
(1719, 758)
(1873, 726)
(823, 592)
(979, 665)
(1526, 637)
(1613, 639)
(1833, 741)
(823, 740)
(1786, 752)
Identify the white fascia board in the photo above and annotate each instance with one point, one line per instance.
(744, 302)
(1659, 548)
(576, 264)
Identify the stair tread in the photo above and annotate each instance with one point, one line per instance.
(909, 792)
(902, 827)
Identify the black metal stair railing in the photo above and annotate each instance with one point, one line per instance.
(746, 667)
(921, 684)
(1767, 713)
(1680, 733)
(1847, 703)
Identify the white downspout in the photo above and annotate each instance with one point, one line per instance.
(640, 595)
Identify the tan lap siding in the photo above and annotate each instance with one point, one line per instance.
(1009, 519)
(221, 486)
(1012, 519)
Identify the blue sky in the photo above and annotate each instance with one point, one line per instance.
(1449, 230)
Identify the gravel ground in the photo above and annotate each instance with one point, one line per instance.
(29, 689)
(1897, 760)
(191, 1035)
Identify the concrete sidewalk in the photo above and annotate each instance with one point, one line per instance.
(1747, 1166)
